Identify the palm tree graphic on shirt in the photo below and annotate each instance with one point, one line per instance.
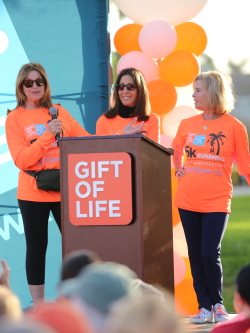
(215, 141)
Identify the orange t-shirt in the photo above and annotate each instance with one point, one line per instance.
(107, 125)
(32, 147)
(207, 185)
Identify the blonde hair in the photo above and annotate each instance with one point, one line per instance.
(221, 98)
(9, 304)
(45, 101)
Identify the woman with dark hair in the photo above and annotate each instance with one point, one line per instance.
(131, 99)
(211, 141)
(31, 139)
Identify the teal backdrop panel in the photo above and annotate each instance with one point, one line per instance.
(69, 38)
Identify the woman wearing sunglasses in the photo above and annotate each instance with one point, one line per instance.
(31, 139)
(131, 99)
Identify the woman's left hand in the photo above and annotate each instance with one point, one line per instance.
(130, 129)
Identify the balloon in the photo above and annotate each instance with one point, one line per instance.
(179, 68)
(184, 95)
(171, 120)
(166, 141)
(162, 95)
(188, 269)
(157, 39)
(174, 12)
(140, 61)
(191, 37)
(126, 38)
(179, 268)
(180, 246)
(185, 298)
(178, 232)
(175, 212)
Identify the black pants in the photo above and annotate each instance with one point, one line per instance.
(204, 233)
(35, 220)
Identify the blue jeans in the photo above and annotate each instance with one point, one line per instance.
(204, 233)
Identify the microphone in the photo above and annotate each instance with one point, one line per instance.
(53, 112)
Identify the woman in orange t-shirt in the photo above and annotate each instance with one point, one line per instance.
(211, 141)
(131, 99)
(31, 139)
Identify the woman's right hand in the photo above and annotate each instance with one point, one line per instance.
(130, 129)
(55, 126)
(180, 172)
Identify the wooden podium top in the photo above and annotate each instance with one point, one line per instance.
(170, 151)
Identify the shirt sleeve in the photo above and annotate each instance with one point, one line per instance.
(100, 126)
(75, 128)
(25, 156)
(241, 150)
(154, 128)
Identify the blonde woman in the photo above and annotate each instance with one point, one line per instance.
(211, 142)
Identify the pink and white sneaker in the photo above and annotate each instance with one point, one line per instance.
(202, 316)
(220, 313)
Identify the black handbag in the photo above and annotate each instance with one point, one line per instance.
(46, 180)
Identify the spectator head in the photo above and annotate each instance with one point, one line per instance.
(143, 315)
(9, 304)
(60, 316)
(100, 285)
(242, 293)
(24, 326)
(147, 289)
(75, 261)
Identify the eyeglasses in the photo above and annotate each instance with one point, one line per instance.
(129, 86)
(29, 83)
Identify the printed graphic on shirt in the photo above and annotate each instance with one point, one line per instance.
(190, 137)
(34, 130)
(216, 140)
(199, 140)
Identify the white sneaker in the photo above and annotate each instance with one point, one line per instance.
(220, 313)
(202, 316)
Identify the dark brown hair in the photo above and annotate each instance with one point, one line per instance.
(142, 105)
(45, 100)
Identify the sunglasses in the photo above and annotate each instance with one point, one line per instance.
(129, 86)
(30, 83)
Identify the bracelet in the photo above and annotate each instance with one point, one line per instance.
(176, 171)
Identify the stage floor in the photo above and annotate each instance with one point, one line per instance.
(201, 328)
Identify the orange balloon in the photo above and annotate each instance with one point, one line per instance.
(191, 37)
(162, 95)
(127, 38)
(179, 68)
(188, 271)
(185, 298)
(175, 212)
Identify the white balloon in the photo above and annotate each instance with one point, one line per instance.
(171, 120)
(172, 11)
(4, 42)
(184, 95)
(180, 247)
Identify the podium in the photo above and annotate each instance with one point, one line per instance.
(145, 244)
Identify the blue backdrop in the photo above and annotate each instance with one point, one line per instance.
(69, 38)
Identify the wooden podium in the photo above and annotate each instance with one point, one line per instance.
(146, 244)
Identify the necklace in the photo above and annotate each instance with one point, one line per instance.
(205, 126)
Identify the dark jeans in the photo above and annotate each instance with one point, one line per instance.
(35, 220)
(204, 233)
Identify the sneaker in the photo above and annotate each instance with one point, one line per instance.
(202, 316)
(220, 313)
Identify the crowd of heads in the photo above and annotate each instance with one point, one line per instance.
(102, 297)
